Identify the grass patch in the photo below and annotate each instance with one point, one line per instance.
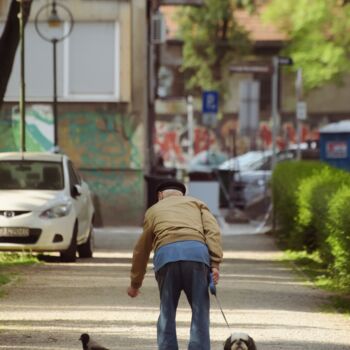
(8, 260)
(312, 268)
(11, 259)
(4, 279)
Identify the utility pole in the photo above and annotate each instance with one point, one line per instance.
(190, 126)
(274, 107)
(276, 62)
(300, 109)
(22, 101)
(152, 53)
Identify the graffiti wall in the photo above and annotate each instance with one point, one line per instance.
(172, 139)
(107, 148)
(104, 145)
(39, 129)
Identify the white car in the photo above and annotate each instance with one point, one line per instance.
(44, 205)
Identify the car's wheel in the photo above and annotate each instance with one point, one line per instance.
(85, 250)
(70, 254)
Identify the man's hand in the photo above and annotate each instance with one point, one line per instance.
(133, 292)
(216, 274)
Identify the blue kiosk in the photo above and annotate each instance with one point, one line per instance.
(335, 144)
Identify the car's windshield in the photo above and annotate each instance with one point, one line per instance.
(30, 175)
(254, 160)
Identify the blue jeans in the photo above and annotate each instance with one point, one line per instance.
(192, 278)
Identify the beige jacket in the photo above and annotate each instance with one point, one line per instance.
(173, 219)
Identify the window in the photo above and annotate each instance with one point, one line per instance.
(30, 175)
(87, 65)
(91, 62)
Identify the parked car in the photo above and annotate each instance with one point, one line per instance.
(206, 161)
(252, 171)
(44, 205)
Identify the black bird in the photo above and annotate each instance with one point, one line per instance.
(89, 344)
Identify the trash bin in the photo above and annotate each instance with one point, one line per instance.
(335, 144)
(205, 186)
(156, 179)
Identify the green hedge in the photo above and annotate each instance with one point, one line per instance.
(311, 203)
(313, 200)
(339, 234)
(285, 182)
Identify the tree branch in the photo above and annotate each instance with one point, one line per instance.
(9, 42)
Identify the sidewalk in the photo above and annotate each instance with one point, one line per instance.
(260, 296)
(252, 227)
(53, 303)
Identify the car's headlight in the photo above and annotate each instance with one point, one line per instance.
(57, 211)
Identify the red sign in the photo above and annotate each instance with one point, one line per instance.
(336, 149)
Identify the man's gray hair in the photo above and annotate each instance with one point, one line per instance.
(171, 192)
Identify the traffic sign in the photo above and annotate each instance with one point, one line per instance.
(250, 69)
(285, 61)
(301, 110)
(209, 119)
(210, 102)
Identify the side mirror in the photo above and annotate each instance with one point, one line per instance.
(76, 191)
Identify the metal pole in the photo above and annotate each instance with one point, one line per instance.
(54, 21)
(22, 88)
(152, 7)
(299, 95)
(54, 106)
(190, 126)
(274, 107)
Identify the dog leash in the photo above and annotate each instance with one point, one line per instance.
(212, 289)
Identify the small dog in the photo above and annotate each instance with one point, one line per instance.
(239, 341)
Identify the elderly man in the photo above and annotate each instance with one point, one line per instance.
(187, 244)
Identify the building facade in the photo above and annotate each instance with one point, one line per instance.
(101, 93)
(249, 97)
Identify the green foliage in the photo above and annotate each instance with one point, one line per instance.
(285, 182)
(318, 33)
(310, 263)
(313, 199)
(311, 266)
(212, 41)
(10, 259)
(4, 279)
(339, 237)
(312, 203)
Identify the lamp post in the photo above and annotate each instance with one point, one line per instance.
(22, 98)
(51, 14)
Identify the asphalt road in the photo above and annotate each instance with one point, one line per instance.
(51, 304)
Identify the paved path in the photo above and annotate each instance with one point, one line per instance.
(53, 303)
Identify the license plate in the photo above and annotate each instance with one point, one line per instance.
(14, 232)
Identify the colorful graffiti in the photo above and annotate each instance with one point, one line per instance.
(39, 129)
(101, 140)
(171, 140)
(117, 196)
(105, 146)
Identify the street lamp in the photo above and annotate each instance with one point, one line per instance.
(22, 99)
(51, 14)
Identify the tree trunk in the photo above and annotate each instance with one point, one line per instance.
(9, 43)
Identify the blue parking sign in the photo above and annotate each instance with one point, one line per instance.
(210, 102)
